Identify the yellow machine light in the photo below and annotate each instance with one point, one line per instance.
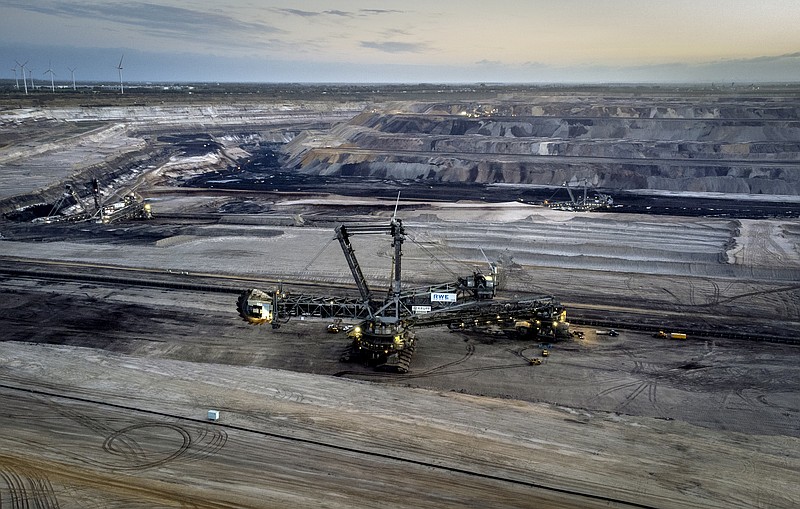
(555, 324)
(357, 329)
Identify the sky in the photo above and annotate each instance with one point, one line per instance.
(408, 41)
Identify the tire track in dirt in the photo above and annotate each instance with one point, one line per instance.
(469, 353)
(102, 480)
(207, 444)
(437, 370)
(125, 447)
(642, 387)
(128, 446)
(26, 488)
(638, 387)
(145, 459)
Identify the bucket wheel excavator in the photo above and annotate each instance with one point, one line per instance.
(385, 336)
(382, 337)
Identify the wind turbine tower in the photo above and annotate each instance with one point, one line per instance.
(119, 68)
(30, 75)
(73, 77)
(24, 79)
(16, 78)
(50, 70)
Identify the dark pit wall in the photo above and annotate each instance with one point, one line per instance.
(686, 139)
(264, 172)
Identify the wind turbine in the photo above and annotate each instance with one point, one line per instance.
(119, 68)
(50, 70)
(73, 77)
(24, 79)
(16, 78)
(30, 75)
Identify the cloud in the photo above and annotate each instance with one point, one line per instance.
(380, 11)
(395, 47)
(341, 14)
(766, 58)
(162, 20)
(393, 32)
(298, 12)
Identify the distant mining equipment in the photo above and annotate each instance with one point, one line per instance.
(59, 214)
(582, 203)
(131, 206)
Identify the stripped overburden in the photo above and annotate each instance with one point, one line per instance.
(42, 147)
(120, 336)
(680, 142)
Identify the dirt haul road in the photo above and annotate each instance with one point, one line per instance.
(87, 428)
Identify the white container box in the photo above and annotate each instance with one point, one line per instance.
(213, 415)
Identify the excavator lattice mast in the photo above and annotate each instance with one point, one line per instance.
(395, 229)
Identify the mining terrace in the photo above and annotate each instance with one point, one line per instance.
(119, 337)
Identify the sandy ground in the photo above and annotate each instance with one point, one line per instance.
(45, 156)
(657, 423)
(133, 430)
(105, 388)
(740, 271)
